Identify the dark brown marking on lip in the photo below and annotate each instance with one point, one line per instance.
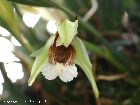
(61, 54)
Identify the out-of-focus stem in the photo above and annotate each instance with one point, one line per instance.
(2, 68)
(91, 11)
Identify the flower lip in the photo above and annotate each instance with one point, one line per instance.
(61, 54)
(65, 72)
(61, 62)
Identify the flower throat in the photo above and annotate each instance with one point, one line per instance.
(61, 54)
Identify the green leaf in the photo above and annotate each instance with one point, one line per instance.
(32, 2)
(83, 61)
(10, 21)
(105, 53)
(40, 61)
(36, 53)
(67, 30)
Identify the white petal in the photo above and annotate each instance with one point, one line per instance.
(49, 71)
(68, 73)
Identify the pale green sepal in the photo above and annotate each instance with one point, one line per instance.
(40, 61)
(36, 53)
(83, 61)
(67, 31)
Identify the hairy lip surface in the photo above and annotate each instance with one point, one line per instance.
(61, 54)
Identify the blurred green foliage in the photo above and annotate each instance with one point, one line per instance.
(115, 56)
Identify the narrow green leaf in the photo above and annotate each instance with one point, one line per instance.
(105, 53)
(32, 2)
(83, 61)
(11, 22)
(36, 53)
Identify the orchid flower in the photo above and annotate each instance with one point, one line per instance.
(60, 55)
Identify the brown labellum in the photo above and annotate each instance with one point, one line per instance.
(61, 54)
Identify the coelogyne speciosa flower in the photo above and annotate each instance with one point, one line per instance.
(60, 54)
(61, 62)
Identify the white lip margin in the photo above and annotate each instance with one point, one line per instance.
(49, 71)
(68, 73)
(65, 73)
